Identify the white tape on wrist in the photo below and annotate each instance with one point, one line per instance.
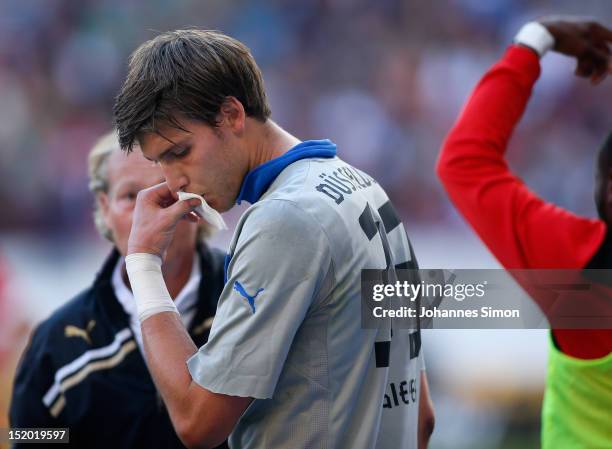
(535, 36)
(148, 285)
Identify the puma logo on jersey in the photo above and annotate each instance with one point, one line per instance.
(250, 299)
(73, 331)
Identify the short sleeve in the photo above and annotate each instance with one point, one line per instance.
(277, 268)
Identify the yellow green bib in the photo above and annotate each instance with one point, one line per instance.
(577, 410)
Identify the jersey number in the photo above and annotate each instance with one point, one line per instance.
(370, 228)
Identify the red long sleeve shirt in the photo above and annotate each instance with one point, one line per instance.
(521, 230)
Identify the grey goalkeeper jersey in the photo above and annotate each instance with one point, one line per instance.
(288, 326)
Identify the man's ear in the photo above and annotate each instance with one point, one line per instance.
(104, 205)
(232, 115)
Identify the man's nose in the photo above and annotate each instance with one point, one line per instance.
(175, 179)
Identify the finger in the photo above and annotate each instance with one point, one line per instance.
(181, 209)
(584, 68)
(191, 217)
(159, 194)
(604, 49)
(600, 71)
(600, 66)
(597, 55)
(598, 77)
(602, 33)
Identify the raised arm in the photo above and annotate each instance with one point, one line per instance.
(201, 418)
(521, 229)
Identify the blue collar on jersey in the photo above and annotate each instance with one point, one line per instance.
(257, 181)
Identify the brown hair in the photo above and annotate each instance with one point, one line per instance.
(186, 73)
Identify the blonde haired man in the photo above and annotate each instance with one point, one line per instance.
(84, 368)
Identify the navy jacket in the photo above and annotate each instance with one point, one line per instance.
(83, 370)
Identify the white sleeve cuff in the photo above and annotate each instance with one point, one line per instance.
(148, 285)
(535, 36)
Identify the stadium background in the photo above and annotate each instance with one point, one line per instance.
(384, 79)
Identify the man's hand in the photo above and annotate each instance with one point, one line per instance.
(156, 215)
(587, 41)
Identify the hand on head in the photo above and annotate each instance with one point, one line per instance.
(587, 41)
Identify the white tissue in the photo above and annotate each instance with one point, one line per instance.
(213, 217)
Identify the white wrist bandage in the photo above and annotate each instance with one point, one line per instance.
(535, 36)
(148, 286)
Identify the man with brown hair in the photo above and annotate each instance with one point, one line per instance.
(287, 364)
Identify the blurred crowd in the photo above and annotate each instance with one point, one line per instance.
(384, 79)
